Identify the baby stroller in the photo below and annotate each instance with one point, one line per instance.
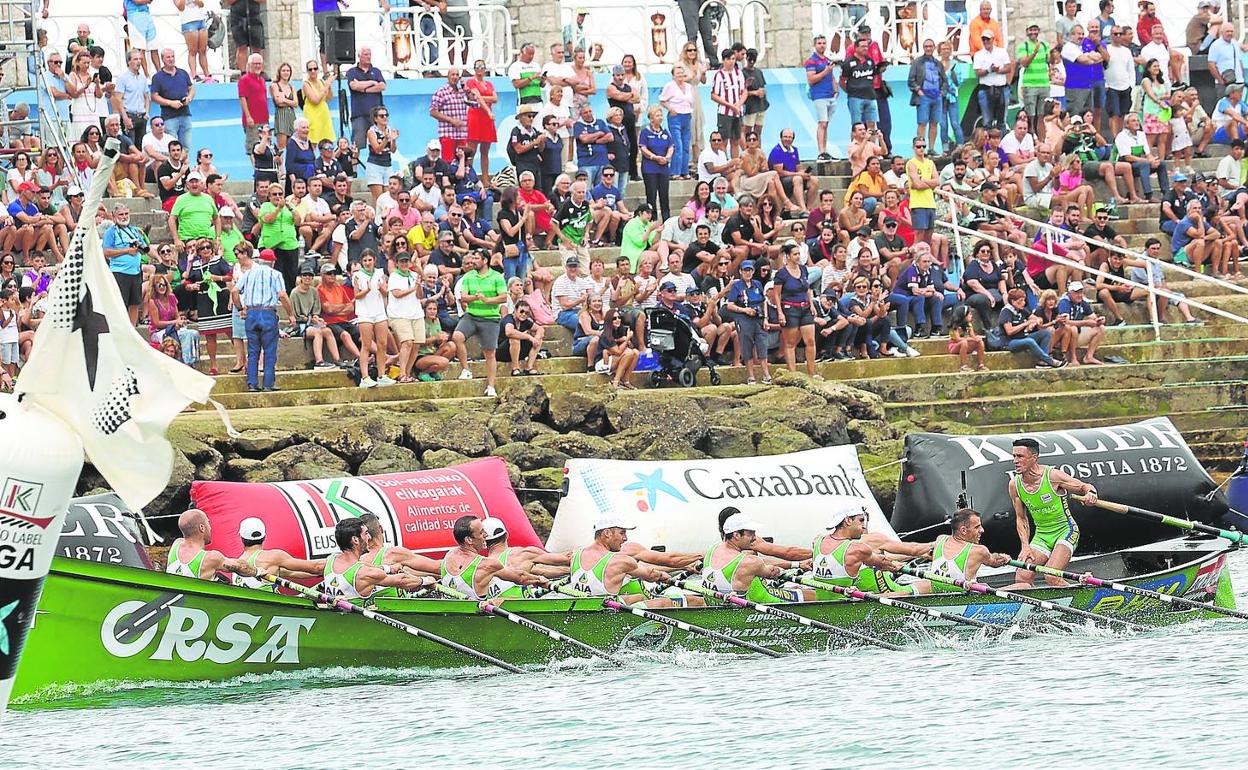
(679, 347)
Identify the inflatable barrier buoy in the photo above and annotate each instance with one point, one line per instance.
(1237, 494)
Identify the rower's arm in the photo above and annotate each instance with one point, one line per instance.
(978, 557)
(628, 565)
(1022, 522)
(551, 571)
(675, 559)
(552, 559)
(867, 556)
(789, 552)
(1063, 480)
(215, 560)
(422, 564)
(913, 550)
(290, 567)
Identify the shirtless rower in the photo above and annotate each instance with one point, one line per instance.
(274, 561)
(850, 556)
(470, 573)
(346, 574)
(1039, 495)
(732, 566)
(959, 555)
(394, 556)
(522, 558)
(189, 556)
(602, 568)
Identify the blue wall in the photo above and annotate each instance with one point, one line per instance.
(217, 123)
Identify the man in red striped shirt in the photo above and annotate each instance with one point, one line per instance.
(728, 92)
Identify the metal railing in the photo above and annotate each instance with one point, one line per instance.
(416, 40)
(957, 202)
(898, 26)
(654, 32)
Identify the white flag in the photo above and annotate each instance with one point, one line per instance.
(91, 367)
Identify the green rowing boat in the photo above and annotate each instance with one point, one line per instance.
(100, 623)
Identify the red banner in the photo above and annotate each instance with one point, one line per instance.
(417, 510)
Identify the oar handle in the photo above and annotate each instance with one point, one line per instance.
(1238, 538)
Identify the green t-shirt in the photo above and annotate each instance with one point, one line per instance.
(195, 213)
(280, 233)
(230, 239)
(633, 241)
(532, 69)
(1036, 74)
(492, 284)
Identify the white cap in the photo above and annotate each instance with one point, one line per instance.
(1075, 286)
(434, 144)
(493, 528)
(611, 520)
(226, 211)
(840, 516)
(738, 522)
(73, 190)
(251, 528)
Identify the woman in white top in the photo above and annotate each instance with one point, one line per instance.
(87, 103)
(695, 70)
(407, 316)
(194, 18)
(637, 82)
(22, 171)
(369, 282)
(562, 113)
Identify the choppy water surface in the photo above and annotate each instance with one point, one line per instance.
(1168, 698)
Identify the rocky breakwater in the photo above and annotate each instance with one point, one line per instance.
(534, 432)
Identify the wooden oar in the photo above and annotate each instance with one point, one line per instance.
(1195, 526)
(689, 628)
(1092, 580)
(406, 628)
(769, 609)
(530, 624)
(1044, 604)
(917, 609)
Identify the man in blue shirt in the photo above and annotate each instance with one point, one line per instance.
(592, 137)
(367, 85)
(34, 230)
(1086, 329)
(799, 185)
(173, 90)
(124, 244)
(608, 208)
(1224, 57)
(823, 92)
(257, 294)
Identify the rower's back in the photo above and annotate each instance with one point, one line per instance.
(719, 568)
(188, 567)
(341, 584)
(828, 561)
(253, 582)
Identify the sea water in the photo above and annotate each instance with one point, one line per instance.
(1172, 697)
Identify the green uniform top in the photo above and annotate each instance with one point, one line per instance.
(830, 568)
(341, 585)
(1036, 74)
(593, 581)
(954, 568)
(464, 581)
(194, 214)
(184, 568)
(280, 233)
(492, 284)
(1049, 512)
(719, 579)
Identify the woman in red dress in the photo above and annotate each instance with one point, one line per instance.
(481, 129)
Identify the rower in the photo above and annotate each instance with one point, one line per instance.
(798, 557)
(850, 556)
(522, 558)
(475, 576)
(602, 568)
(347, 576)
(189, 556)
(274, 561)
(733, 567)
(1038, 493)
(959, 555)
(391, 558)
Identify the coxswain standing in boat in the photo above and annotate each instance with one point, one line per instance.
(603, 568)
(273, 561)
(475, 575)
(523, 558)
(732, 566)
(1039, 496)
(851, 556)
(189, 556)
(346, 574)
(959, 555)
(391, 558)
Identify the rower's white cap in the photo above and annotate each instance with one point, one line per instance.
(493, 528)
(251, 528)
(841, 515)
(739, 521)
(610, 520)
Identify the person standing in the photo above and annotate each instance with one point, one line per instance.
(728, 92)
(256, 294)
(316, 96)
(254, 100)
(881, 91)
(697, 22)
(992, 67)
(677, 97)
(246, 28)
(122, 245)
(1032, 54)
(823, 93)
(526, 76)
(367, 85)
(482, 131)
(657, 149)
(194, 214)
(133, 97)
(450, 108)
(173, 90)
(481, 292)
(279, 224)
(927, 91)
(1039, 494)
(921, 172)
(142, 32)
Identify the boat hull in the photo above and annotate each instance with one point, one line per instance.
(101, 623)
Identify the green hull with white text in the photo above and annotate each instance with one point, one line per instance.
(100, 623)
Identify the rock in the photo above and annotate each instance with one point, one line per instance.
(870, 433)
(309, 461)
(96, 491)
(784, 399)
(722, 441)
(208, 465)
(176, 495)
(197, 451)
(540, 518)
(528, 457)
(575, 444)
(253, 471)
(443, 458)
(466, 433)
(825, 425)
(526, 396)
(388, 458)
(262, 442)
(775, 438)
(678, 414)
(515, 476)
(648, 443)
(511, 427)
(354, 440)
(544, 478)
(583, 410)
(858, 404)
(717, 403)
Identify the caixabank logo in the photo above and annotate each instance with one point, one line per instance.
(19, 499)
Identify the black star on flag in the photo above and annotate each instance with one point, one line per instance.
(92, 324)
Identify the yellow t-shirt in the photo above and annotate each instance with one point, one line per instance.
(418, 237)
(924, 169)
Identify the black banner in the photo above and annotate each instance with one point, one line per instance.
(102, 528)
(1146, 464)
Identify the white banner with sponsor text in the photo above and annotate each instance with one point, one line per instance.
(676, 503)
